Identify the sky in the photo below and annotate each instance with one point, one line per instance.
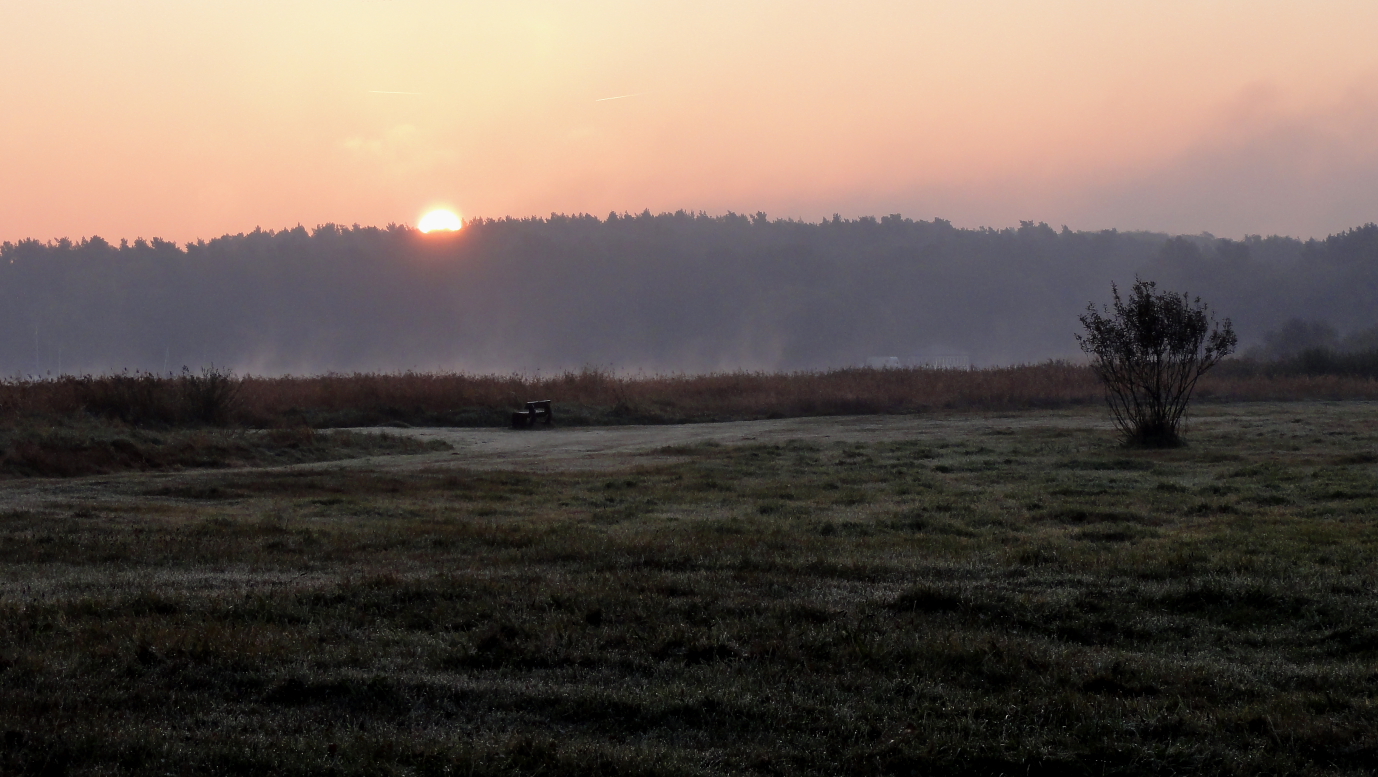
(187, 119)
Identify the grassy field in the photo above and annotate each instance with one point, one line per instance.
(1007, 594)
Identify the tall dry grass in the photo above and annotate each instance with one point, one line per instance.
(593, 396)
(681, 397)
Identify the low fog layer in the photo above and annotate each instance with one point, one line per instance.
(673, 292)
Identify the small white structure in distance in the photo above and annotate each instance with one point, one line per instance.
(883, 362)
(938, 358)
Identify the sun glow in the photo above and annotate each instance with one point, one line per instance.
(439, 221)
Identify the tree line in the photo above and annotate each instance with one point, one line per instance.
(655, 292)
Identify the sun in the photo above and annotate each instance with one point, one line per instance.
(440, 221)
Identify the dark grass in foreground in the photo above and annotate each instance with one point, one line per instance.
(984, 599)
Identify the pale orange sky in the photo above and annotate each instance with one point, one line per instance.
(186, 118)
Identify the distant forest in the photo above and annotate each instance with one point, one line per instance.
(660, 293)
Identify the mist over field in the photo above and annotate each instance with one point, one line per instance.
(659, 293)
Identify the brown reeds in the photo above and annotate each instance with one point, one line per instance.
(594, 396)
(1285, 388)
(675, 398)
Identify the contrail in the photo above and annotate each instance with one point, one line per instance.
(378, 91)
(619, 97)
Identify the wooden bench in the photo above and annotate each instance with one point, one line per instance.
(523, 419)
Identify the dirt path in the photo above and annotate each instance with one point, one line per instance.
(539, 450)
(599, 448)
(611, 447)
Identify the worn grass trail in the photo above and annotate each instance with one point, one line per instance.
(980, 596)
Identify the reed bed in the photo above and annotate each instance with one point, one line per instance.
(595, 396)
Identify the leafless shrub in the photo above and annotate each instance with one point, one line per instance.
(1150, 351)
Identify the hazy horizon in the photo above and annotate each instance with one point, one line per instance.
(673, 292)
(758, 156)
(186, 121)
(478, 217)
